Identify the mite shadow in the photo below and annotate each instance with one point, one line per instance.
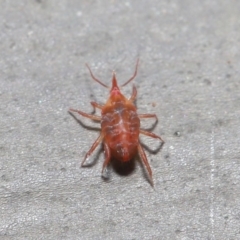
(151, 127)
(123, 168)
(153, 151)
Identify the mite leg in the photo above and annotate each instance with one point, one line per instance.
(96, 105)
(107, 156)
(134, 75)
(134, 94)
(93, 147)
(91, 116)
(145, 161)
(150, 134)
(94, 78)
(147, 116)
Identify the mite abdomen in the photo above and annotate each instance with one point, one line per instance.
(120, 127)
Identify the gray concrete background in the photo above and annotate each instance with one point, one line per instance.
(188, 75)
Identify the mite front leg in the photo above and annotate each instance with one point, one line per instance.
(91, 116)
(150, 134)
(148, 116)
(134, 94)
(94, 78)
(145, 162)
(96, 105)
(134, 75)
(95, 144)
(107, 156)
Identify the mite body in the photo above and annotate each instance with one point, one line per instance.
(120, 125)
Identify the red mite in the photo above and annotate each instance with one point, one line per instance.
(120, 125)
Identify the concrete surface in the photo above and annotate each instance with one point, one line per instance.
(188, 75)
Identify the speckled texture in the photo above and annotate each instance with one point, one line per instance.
(188, 75)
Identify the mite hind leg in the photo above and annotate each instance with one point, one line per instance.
(145, 162)
(93, 147)
(91, 116)
(107, 156)
(150, 134)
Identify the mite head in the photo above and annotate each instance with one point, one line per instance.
(114, 90)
